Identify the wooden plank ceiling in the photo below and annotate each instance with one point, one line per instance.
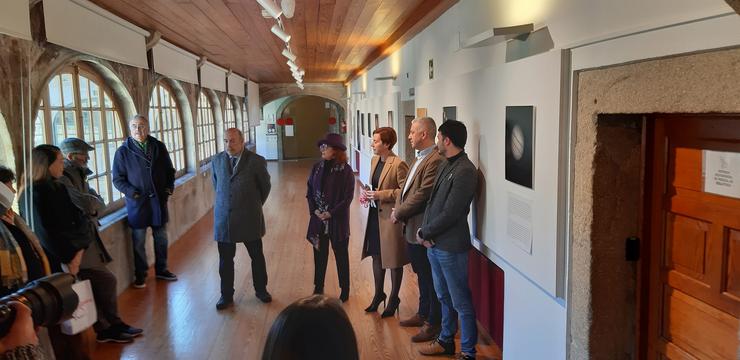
(333, 39)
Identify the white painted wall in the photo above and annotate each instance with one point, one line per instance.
(481, 84)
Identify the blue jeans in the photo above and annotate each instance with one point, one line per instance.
(450, 275)
(160, 250)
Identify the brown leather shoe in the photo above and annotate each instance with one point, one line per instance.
(437, 347)
(414, 321)
(428, 332)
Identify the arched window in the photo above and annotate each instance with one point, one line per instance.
(231, 114)
(165, 124)
(206, 128)
(76, 103)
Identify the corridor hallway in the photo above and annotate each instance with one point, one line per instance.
(180, 320)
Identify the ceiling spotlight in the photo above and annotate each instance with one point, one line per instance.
(271, 8)
(288, 7)
(289, 54)
(279, 32)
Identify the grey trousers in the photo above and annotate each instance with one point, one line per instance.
(103, 284)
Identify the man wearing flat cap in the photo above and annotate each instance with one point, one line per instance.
(109, 326)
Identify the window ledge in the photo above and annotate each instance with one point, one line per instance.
(112, 218)
(120, 214)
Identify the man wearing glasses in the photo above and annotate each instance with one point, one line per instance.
(143, 171)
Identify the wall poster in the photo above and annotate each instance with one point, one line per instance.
(520, 145)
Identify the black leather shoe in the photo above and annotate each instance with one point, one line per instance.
(264, 296)
(224, 302)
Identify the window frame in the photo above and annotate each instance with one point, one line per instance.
(76, 70)
(200, 127)
(179, 111)
(229, 106)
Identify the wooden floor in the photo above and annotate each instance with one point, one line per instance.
(180, 320)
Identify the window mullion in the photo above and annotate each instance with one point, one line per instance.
(78, 103)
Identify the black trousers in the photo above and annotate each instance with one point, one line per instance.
(321, 259)
(226, 252)
(429, 306)
(103, 284)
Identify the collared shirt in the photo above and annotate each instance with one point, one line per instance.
(142, 145)
(420, 155)
(454, 158)
(234, 160)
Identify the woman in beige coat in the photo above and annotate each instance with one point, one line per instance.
(384, 240)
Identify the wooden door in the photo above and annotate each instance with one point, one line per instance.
(694, 291)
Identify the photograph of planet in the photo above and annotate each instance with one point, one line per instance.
(520, 145)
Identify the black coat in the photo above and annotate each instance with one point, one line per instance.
(61, 226)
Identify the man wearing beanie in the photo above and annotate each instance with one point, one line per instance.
(446, 234)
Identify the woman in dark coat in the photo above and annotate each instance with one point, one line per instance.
(61, 226)
(331, 186)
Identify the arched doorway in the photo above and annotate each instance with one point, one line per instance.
(293, 124)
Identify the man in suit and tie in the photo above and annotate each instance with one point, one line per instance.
(446, 234)
(242, 184)
(410, 210)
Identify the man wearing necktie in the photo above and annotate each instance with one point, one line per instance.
(242, 184)
(409, 209)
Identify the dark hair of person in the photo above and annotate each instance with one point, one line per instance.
(387, 136)
(315, 327)
(42, 157)
(6, 175)
(340, 155)
(455, 131)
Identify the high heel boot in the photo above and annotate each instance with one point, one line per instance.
(392, 307)
(377, 299)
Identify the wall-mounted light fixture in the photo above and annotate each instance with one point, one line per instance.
(271, 8)
(279, 32)
(496, 35)
(288, 54)
(385, 78)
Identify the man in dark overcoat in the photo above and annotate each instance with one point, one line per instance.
(143, 172)
(242, 184)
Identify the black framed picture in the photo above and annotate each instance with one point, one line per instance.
(449, 113)
(520, 145)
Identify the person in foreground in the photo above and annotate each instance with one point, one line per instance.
(242, 184)
(143, 171)
(331, 185)
(446, 235)
(315, 327)
(384, 238)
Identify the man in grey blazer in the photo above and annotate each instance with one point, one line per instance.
(409, 209)
(446, 234)
(242, 184)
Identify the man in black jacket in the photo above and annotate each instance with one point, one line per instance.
(109, 327)
(446, 234)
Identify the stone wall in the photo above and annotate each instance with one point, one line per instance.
(602, 283)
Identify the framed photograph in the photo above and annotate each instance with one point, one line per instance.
(362, 120)
(431, 69)
(271, 129)
(449, 113)
(369, 126)
(520, 145)
(390, 119)
(377, 122)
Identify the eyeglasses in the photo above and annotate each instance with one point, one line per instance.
(323, 147)
(138, 127)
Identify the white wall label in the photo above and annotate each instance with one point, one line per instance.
(519, 222)
(288, 130)
(721, 173)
